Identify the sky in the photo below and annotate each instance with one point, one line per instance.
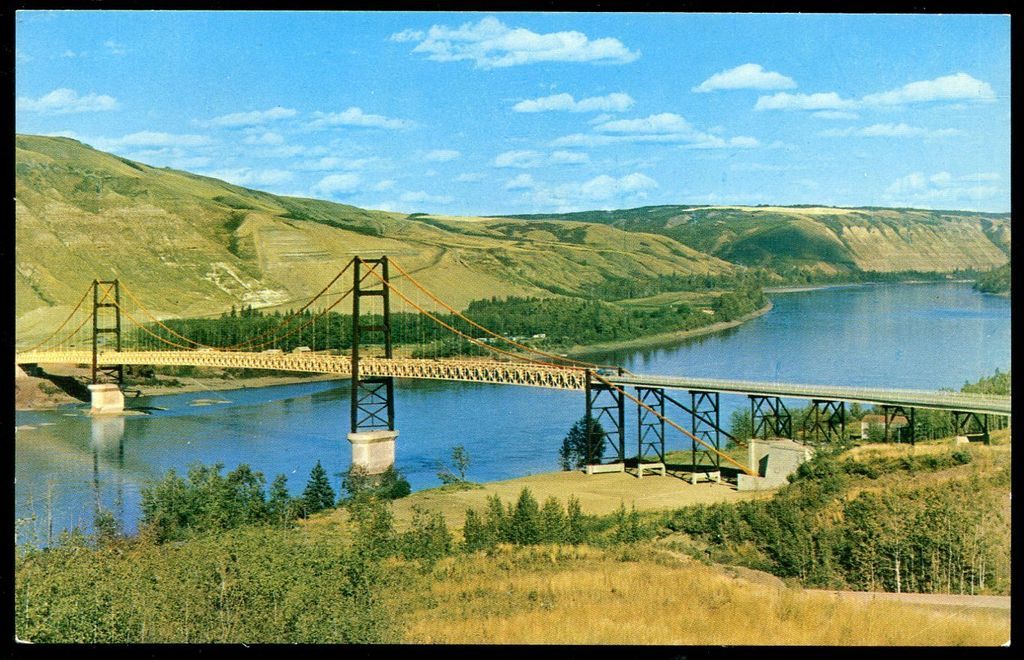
(475, 113)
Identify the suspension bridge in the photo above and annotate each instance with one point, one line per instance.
(397, 328)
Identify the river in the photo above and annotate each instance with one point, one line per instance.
(924, 336)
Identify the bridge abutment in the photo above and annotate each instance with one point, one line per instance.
(106, 398)
(374, 451)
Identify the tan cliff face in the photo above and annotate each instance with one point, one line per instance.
(823, 240)
(189, 245)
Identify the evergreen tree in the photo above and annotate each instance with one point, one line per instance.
(476, 533)
(583, 445)
(318, 494)
(279, 506)
(497, 524)
(574, 531)
(552, 522)
(524, 526)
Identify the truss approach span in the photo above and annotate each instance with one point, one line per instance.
(937, 400)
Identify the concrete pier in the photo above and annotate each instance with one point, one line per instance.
(107, 398)
(373, 450)
(775, 460)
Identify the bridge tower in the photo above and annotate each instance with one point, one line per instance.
(107, 397)
(372, 413)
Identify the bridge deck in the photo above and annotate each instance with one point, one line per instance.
(512, 373)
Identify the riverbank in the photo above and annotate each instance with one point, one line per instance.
(650, 341)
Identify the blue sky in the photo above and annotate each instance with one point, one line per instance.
(473, 113)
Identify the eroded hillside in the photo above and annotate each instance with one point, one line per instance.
(190, 245)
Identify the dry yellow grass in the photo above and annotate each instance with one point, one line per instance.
(587, 596)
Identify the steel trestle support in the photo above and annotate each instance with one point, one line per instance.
(606, 406)
(962, 425)
(890, 413)
(705, 425)
(828, 420)
(373, 399)
(650, 429)
(769, 414)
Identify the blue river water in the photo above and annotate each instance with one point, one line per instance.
(924, 336)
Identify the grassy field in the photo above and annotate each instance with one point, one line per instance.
(649, 596)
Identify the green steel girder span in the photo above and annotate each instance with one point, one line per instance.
(951, 401)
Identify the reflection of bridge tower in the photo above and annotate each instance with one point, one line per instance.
(372, 416)
(107, 438)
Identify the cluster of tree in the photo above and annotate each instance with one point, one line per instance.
(563, 321)
(358, 485)
(796, 275)
(998, 383)
(175, 508)
(996, 280)
(623, 288)
(253, 584)
(936, 538)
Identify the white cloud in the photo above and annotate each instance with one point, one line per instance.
(64, 101)
(115, 48)
(441, 155)
(521, 182)
(522, 159)
(577, 195)
(818, 101)
(569, 158)
(469, 177)
(150, 139)
(252, 118)
(21, 56)
(490, 44)
(384, 184)
(334, 184)
(746, 76)
(666, 127)
(421, 196)
(245, 176)
(662, 124)
(943, 188)
(268, 137)
(356, 117)
(715, 142)
(900, 130)
(959, 86)
(616, 102)
(836, 114)
(69, 54)
(956, 87)
(407, 35)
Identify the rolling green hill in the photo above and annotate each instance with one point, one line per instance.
(822, 240)
(190, 245)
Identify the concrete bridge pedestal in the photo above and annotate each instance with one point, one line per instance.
(373, 450)
(107, 398)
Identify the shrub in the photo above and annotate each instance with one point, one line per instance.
(388, 485)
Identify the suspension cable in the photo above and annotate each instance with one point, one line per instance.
(487, 330)
(143, 327)
(464, 335)
(670, 422)
(66, 320)
(296, 314)
(158, 321)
